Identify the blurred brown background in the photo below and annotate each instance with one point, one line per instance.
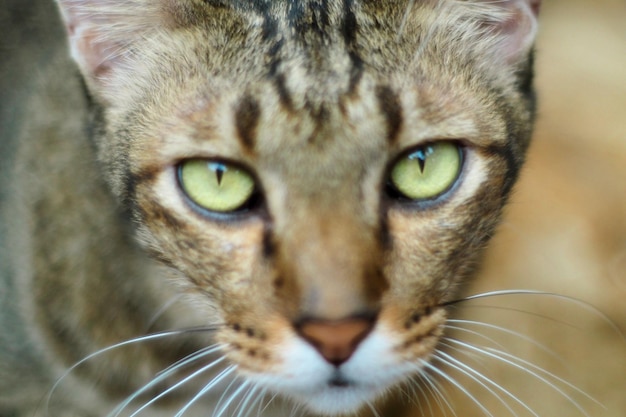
(565, 229)
(564, 232)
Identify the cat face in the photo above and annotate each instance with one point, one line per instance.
(319, 180)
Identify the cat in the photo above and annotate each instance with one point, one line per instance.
(247, 208)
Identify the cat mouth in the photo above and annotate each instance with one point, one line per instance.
(339, 395)
(339, 380)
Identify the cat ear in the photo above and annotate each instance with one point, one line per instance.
(101, 32)
(517, 29)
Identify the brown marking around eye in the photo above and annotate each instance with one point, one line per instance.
(268, 242)
(247, 116)
(152, 211)
(391, 109)
(279, 282)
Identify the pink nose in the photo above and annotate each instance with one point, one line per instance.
(336, 340)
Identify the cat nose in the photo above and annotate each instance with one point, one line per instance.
(336, 340)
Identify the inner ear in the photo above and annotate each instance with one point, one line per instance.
(94, 54)
(101, 32)
(517, 29)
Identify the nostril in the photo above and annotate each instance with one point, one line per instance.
(336, 340)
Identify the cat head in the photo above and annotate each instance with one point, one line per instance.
(320, 178)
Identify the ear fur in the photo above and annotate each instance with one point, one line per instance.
(517, 29)
(101, 32)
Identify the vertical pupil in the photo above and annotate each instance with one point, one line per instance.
(420, 155)
(219, 170)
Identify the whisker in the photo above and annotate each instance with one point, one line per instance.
(218, 379)
(444, 393)
(430, 387)
(141, 339)
(454, 382)
(526, 312)
(177, 385)
(232, 397)
(490, 353)
(295, 407)
(417, 393)
(476, 380)
(404, 389)
(372, 409)
(162, 375)
(246, 399)
(503, 354)
(545, 372)
(166, 306)
(522, 336)
(433, 394)
(422, 376)
(192, 357)
(417, 384)
(474, 356)
(479, 378)
(272, 398)
(440, 391)
(257, 403)
(581, 303)
(218, 405)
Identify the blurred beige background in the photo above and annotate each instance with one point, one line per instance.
(564, 232)
(565, 229)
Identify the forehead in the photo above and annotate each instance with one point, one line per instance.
(333, 41)
(352, 74)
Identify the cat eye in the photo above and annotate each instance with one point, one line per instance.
(426, 172)
(216, 186)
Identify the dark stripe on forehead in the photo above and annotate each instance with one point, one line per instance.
(280, 83)
(349, 31)
(356, 72)
(276, 77)
(309, 17)
(247, 116)
(349, 24)
(391, 109)
(270, 26)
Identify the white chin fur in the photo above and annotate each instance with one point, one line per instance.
(334, 401)
(305, 376)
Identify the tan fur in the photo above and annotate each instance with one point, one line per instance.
(565, 228)
(317, 107)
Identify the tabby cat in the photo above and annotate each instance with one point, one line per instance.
(245, 208)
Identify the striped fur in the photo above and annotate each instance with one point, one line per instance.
(317, 99)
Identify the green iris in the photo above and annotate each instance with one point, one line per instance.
(216, 186)
(427, 172)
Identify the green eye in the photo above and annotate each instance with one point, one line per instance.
(216, 186)
(428, 171)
